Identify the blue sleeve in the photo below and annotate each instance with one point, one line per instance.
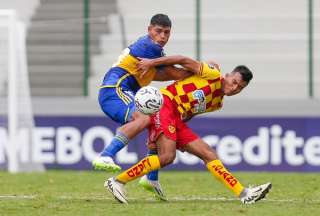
(144, 47)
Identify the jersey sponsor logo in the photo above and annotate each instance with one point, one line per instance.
(199, 95)
(171, 129)
(130, 93)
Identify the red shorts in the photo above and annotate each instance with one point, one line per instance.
(168, 121)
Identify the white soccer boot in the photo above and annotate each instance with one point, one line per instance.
(252, 195)
(106, 164)
(117, 189)
(153, 187)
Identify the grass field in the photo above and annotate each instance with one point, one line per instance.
(189, 193)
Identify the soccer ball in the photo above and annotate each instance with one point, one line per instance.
(148, 100)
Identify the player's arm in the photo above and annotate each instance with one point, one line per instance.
(189, 64)
(167, 73)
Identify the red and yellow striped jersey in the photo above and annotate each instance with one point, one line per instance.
(198, 93)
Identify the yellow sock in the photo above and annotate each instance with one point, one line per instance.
(220, 172)
(144, 166)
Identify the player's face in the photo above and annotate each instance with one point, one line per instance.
(159, 34)
(233, 84)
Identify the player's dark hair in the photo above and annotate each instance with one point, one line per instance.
(245, 72)
(161, 20)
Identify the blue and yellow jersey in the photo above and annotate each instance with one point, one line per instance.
(198, 93)
(125, 73)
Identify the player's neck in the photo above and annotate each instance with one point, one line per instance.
(222, 85)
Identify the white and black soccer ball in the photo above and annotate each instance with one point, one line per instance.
(148, 100)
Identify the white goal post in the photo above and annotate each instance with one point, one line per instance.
(16, 115)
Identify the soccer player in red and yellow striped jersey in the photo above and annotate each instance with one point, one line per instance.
(197, 94)
(200, 93)
(204, 91)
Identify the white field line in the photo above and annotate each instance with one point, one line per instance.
(16, 197)
(178, 198)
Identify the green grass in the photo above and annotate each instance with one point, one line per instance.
(189, 193)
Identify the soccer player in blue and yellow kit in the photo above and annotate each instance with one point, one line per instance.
(123, 80)
(200, 93)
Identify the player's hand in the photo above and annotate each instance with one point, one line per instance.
(144, 65)
(214, 64)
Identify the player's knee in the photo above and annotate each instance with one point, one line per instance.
(167, 159)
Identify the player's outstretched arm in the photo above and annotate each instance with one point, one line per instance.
(189, 64)
(168, 73)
